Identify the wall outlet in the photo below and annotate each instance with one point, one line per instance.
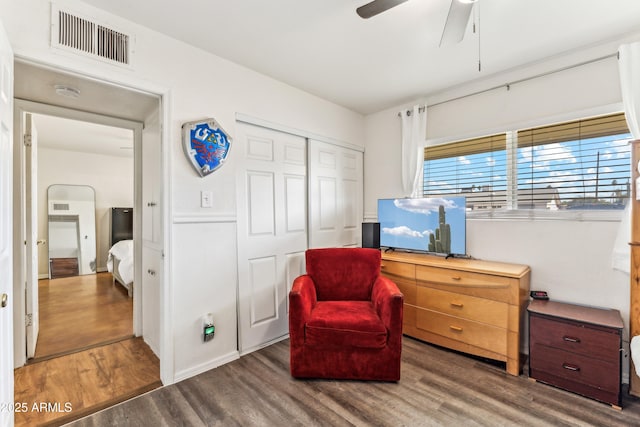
(206, 199)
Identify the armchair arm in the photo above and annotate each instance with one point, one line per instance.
(388, 302)
(302, 299)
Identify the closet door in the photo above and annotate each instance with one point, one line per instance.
(335, 196)
(272, 230)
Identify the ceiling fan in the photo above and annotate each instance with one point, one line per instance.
(454, 27)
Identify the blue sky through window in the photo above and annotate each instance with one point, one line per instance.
(594, 172)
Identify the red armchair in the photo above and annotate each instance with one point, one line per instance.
(345, 319)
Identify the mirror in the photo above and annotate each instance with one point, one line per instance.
(72, 230)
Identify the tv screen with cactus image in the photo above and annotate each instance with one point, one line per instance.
(429, 224)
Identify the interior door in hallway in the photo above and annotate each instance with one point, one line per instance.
(30, 147)
(6, 227)
(272, 230)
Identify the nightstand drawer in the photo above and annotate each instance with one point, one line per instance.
(574, 367)
(467, 331)
(473, 308)
(577, 338)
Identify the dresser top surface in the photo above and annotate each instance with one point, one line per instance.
(593, 315)
(473, 265)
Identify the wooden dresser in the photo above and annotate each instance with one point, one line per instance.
(576, 348)
(468, 305)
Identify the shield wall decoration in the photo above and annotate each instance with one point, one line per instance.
(206, 145)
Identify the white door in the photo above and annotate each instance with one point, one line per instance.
(30, 147)
(272, 230)
(335, 196)
(151, 251)
(6, 227)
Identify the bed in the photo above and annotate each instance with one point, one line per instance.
(120, 257)
(120, 264)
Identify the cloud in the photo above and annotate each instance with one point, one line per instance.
(424, 206)
(404, 231)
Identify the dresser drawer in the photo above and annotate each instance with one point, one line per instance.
(575, 367)
(395, 269)
(465, 306)
(407, 288)
(467, 331)
(575, 337)
(498, 288)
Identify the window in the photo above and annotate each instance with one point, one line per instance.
(582, 164)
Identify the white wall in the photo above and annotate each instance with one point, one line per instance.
(111, 177)
(571, 259)
(200, 85)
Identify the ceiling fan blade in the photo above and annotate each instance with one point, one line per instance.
(376, 6)
(457, 21)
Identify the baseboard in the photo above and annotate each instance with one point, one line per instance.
(204, 367)
(263, 345)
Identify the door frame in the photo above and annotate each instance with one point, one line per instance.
(21, 108)
(166, 353)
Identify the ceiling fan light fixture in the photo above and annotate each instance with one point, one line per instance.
(67, 91)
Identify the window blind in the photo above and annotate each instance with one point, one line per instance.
(474, 168)
(582, 164)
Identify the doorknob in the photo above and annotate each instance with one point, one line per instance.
(5, 297)
(41, 242)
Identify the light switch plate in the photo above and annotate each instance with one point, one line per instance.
(206, 199)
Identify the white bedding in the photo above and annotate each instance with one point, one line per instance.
(120, 261)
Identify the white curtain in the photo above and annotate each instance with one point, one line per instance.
(414, 133)
(629, 70)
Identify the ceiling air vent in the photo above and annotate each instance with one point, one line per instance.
(78, 34)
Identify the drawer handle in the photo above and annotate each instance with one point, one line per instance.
(456, 278)
(456, 304)
(455, 328)
(571, 339)
(571, 367)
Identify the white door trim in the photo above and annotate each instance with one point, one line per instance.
(20, 107)
(166, 356)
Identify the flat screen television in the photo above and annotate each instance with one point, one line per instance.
(430, 224)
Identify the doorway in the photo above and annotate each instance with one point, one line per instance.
(84, 171)
(105, 104)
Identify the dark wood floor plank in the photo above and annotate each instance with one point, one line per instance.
(438, 388)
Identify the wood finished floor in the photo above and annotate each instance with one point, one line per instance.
(86, 356)
(84, 382)
(438, 388)
(81, 311)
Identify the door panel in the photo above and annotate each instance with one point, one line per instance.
(272, 230)
(335, 195)
(30, 147)
(148, 233)
(6, 226)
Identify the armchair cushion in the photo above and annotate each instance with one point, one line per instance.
(342, 324)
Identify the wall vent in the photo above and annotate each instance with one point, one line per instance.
(72, 32)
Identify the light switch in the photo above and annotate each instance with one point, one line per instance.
(206, 199)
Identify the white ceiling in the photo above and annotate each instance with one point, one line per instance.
(323, 47)
(37, 84)
(73, 135)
